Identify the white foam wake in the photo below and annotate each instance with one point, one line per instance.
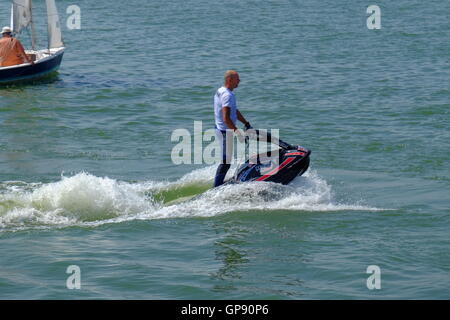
(85, 199)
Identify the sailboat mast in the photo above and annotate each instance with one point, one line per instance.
(33, 31)
(12, 17)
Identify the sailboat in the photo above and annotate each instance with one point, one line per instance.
(45, 60)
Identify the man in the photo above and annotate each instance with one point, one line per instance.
(11, 50)
(226, 113)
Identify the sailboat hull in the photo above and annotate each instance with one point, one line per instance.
(26, 72)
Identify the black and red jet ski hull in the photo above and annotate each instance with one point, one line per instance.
(281, 168)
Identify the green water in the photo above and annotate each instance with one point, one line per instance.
(87, 179)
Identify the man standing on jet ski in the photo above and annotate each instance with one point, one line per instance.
(226, 113)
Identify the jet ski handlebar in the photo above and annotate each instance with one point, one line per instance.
(264, 135)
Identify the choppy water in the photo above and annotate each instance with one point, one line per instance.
(86, 176)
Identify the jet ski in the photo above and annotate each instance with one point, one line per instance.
(279, 166)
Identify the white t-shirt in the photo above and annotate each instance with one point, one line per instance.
(224, 97)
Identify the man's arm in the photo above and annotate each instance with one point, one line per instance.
(229, 123)
(227, 119)
(241, 118)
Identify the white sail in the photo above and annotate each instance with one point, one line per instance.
(20, 15)
(54, 29)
